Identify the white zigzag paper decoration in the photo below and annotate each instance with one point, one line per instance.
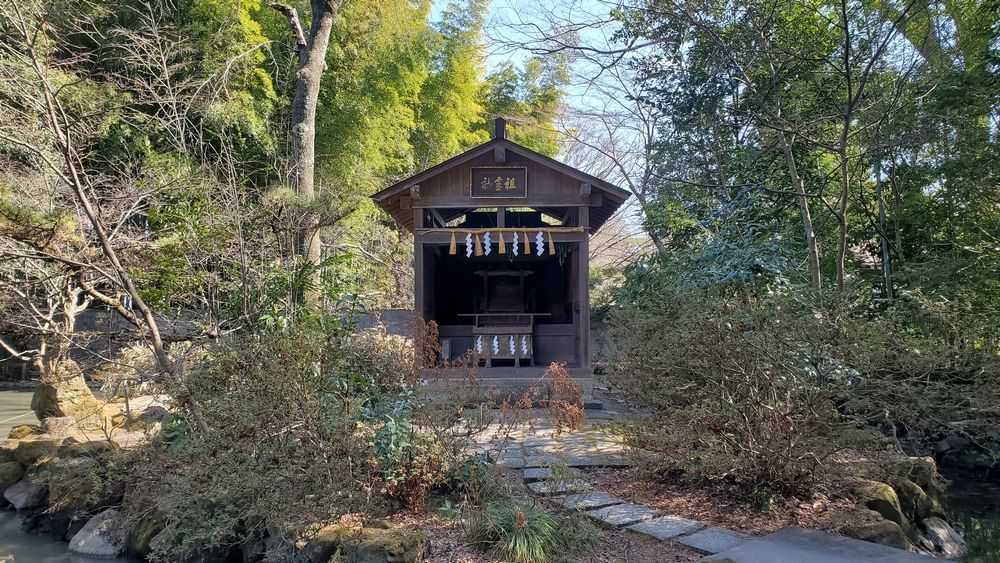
(486, 243)
(512, 348)
(539, 243)
(468, 245)
(514, 243)
(479, 344)
(524, 345)
(496, 345)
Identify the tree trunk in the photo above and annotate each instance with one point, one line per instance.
(312, 61)
(812, 246)
(845, 191)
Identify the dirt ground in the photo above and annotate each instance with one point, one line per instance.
(723, 508)
(448, 545)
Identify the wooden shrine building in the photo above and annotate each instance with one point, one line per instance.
(501, 245)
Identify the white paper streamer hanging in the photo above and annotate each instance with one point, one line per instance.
(524, 345)
(539, 243)
(496, 345)
(514, 243)
(479, 344)
(512, 348)
(486, 243)
(468, 245)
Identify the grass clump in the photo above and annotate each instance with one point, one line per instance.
(515, 532)
(500, 519)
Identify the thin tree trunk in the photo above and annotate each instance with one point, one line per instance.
(59, 125)
(812, 246)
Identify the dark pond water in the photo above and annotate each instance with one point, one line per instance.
(19, 547)
(975, 505)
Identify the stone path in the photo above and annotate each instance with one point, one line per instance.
(547, 458)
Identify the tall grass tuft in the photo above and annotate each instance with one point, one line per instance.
(515, 532)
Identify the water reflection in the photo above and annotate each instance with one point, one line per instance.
(975, 505)
(17, 546)
(15, 408)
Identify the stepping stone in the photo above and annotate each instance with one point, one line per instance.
(667, 527)
(587, 501)
(515, 461)
(623, 514)
(797, 545)
(533, 474)
(596, 459)
(549, 488)
(714, 540)
(542, 461)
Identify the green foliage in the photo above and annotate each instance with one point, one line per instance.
(531, 99)
(450, 108)
(370, 95)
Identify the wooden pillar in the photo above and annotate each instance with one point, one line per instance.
(418, 281)
(583, 289)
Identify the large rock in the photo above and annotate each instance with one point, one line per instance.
(366, 545)
(882, 498)
(30, 451)
(915, 503)
(324, 543)
(152, 416)
(882, 531)
(946, 540)
(102, 536)
(65, 393)
(10, 473)
(924, 472)
(392, 545)
(25, 495)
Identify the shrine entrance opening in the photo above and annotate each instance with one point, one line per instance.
(501, 247)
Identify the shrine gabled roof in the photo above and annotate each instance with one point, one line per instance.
(612, 196)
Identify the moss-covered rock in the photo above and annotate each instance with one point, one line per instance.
(23, 431)
(881, 498)
(142, 533)
(65, 393)
(884, 532)
(924, 472)
(324, 543)
(376, 545)
(27, 452)
(909, 495)
(10, 473)
(345, 544)
(94, 449)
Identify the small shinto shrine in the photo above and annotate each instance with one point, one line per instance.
(501, 245)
